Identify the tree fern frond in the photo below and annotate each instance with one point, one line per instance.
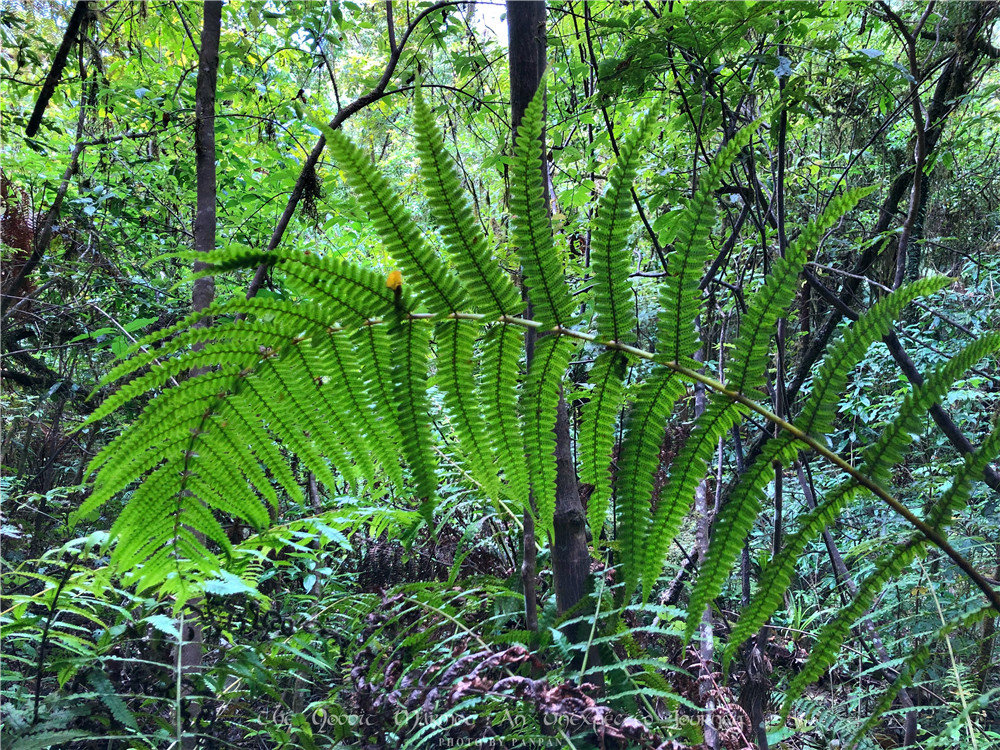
(954, 498)
(174, 569)
(610, 260)
(345, 291)
(335, 372)
(237, 452)
(832, 636)
(339, 292)
(816, 418)
(280, 384)
(455, 340)
(531, 228)
(540, 401)
(597, 433)
(732, 524)
(888, 447)
(487, 286)
(615, 320)
(410, 355)
(877, 460)
(240, 346)
(311, 370)
(640, 454)
(240, 336)
(253, 430)
(435, 284)
(154, 515)
(168, 417)
(502, 350)
(352, 294)
(680, 295)
(686, 471)
(745, 372)
(830, 381)
(776, 576)
(375, 360)
(353, 397)
(279, 406)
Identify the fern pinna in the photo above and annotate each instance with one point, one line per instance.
(339, 374)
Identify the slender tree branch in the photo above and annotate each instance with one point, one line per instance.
(58, 63)
(343, 114)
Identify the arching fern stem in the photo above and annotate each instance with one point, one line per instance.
(934, 536)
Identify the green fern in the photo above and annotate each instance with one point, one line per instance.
(497, 389)
(680, 293)
(744, 374)
(347, 384)
(531, 228)
(877, 460)
(640, 455)
(615, 320)
(337, 372)
(738, 514)
(435, 284)
(539, 404)
(489, 288)
(680, 300)
(411, 354)
(456, 340)
(597, 433)
(611, 261)
(832, 636)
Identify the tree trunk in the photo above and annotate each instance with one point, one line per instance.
(570, 555)
(192, 647)
(526, 34)
(986, 640)
(76, 22)
(706, 653)
(204, 147)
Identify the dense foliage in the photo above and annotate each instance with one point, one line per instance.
(665, 420)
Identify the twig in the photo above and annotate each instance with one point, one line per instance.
(55, 72)
(343, 114)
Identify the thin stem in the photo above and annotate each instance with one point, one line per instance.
(959, 689)
(45, 635)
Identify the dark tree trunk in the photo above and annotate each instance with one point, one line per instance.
(706, 654)
(204, 146)
(570, 555)
(76, 22)
(985, 661)
(204, 288)
(526, 34)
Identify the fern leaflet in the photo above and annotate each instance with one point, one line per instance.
(434, 283)
(531, 231)
(540, 399)
(488, 286)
